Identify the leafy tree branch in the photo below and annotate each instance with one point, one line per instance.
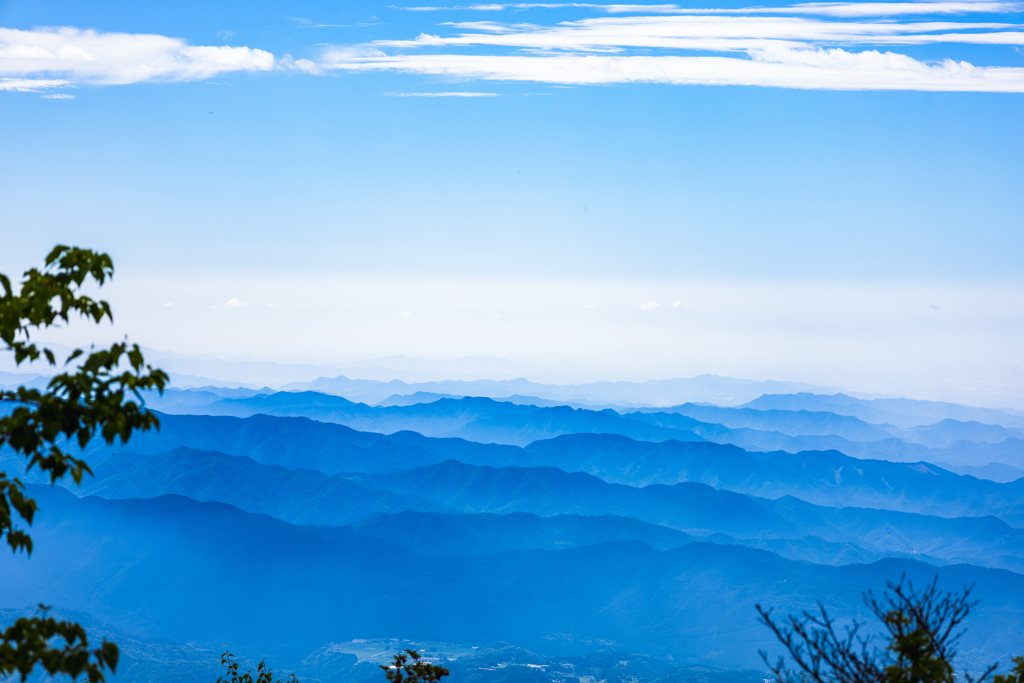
(401, 671)
(263, 673)
(101, 396)
(922, 628)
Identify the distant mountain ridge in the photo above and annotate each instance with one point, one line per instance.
(902, 412)
(298, 496)
(713, 388)
(789, 422)
(309, 518)
(902, 446)
(476, 419)
(519, 422)
(304, 496)
(691, 506)
(820, 477)
(309, 497)
(169, 565)
(490, 421)
(549, 491)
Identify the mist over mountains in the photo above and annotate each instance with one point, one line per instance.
(943, 441)
(190, 559)
(530, 528)
(380, 378)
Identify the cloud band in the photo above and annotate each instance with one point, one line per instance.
(30, 60)
(833, 69)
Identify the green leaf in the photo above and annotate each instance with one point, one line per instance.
(75, 407)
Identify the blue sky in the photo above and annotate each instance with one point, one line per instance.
(847, 201)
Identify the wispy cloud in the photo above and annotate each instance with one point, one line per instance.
(304, 65)
(713, 33)
(235, 303)
(309, 23)
(834, 69)
(58, 96)
(831, 9)
(648, 306)
(836, 50)
(29, 60)
(893, 9)
(30, 84)
(836, 46)
(441, 94)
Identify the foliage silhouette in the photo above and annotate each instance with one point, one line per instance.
(922, 629)
(400, 671)
(263, 673)
(1016, 675)
(95, 397)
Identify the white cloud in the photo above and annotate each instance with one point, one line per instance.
(405, 314)
(476, 8)
(590, 307)
(30, 84)
(235, 303)
(834, 69)
(719, 33)
(810, 46)
(677, 304)
(168, 305)
(308, 66)
(58, 96)
(86, 56)
(834, 9)
(649, 306)
(441, 94)
(892, 9)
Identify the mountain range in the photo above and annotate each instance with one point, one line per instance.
(789, 526)
(945, 443)
(820, 477)
(287, 524)
(171, 567)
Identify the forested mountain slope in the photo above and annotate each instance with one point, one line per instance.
(169, 566)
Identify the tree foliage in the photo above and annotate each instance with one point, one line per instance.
(28, 643)
(263, 673)
(1016, 675)
(99, 396)
(401, 671)
(921, 631)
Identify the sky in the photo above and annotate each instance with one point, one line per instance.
(826, 192)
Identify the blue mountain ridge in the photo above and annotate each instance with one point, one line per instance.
(690, 506)
(901, 412)
(821, 477)
(788, 526)
(175, 568)
(472, 418)
(717, 389)
(487, 420)
(583, 538)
